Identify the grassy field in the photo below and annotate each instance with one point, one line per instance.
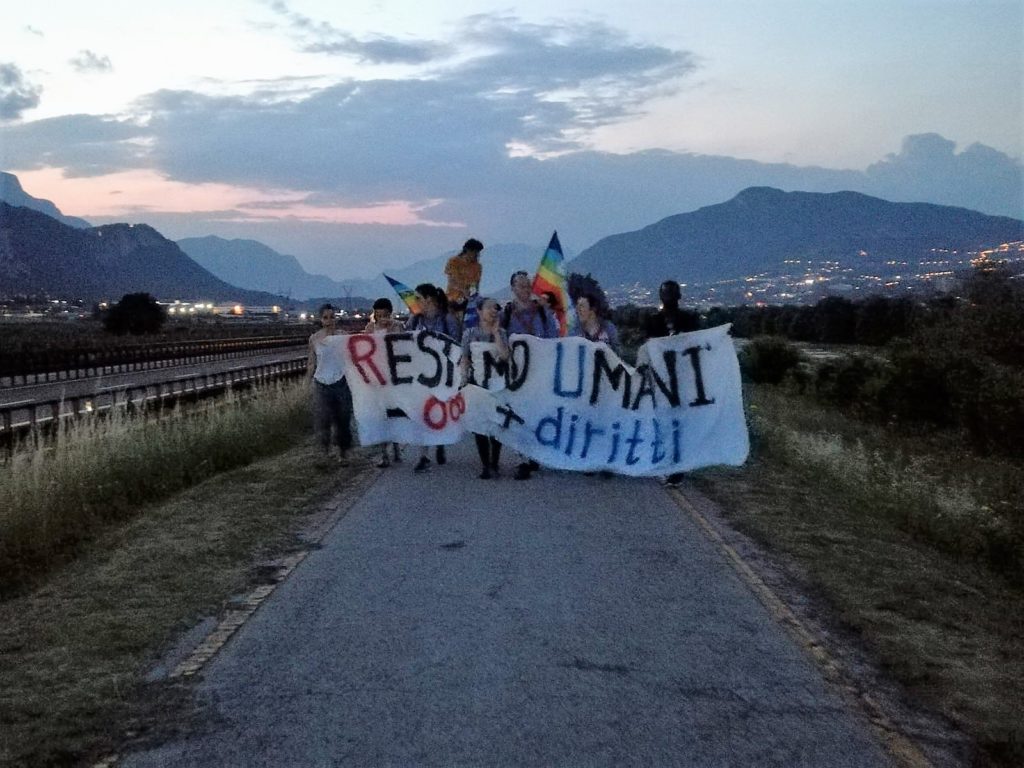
(915, 543)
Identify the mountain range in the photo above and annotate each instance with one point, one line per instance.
(757, 231)
(41, 255)
(12, 193)
(251, 264)
(762, 227)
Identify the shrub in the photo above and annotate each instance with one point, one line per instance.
(767, 359)
(854, 380)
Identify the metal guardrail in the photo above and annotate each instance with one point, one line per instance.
(43, 368)
(17, 419)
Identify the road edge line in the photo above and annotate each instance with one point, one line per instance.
(900, 747)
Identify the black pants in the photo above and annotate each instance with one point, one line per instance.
(489, 449)
(332, 407)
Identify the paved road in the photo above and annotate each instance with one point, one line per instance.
(564, 621)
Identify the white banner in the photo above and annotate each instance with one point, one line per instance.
(569, 403)
(405, 387)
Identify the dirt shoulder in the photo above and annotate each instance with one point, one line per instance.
(84, 656)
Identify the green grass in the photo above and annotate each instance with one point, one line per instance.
(59, 494)
(74, 651)
(914, 541)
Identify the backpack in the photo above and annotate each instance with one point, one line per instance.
(506, 316)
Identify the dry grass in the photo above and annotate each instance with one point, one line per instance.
(57, 495)
(74, 652)
(914, 547)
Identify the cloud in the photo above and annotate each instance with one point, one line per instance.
(928, 167)
(569, 76)
(88, 61)
(83, 145)
(491, 140)
(33, 31)
(322, 37)
(16, 93)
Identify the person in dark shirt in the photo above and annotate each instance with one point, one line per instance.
(669, 321)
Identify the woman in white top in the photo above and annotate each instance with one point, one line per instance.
(332, 399)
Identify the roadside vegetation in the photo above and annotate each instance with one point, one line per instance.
(76, 651)
(61, 491)
(914, 541)
(893, 483)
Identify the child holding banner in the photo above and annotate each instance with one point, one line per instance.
(489, 330)
(382, 322)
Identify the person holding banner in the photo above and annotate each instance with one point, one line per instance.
(433, 317)
(332, 399)
(523, 314)
(382, 322)
(489, 330)
(670, 320)
(592, 325)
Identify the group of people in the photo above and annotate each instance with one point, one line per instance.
(462, 314)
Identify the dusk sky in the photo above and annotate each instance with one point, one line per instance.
(365, 135)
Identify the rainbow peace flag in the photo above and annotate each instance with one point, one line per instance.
(406, 294)
(551, 277)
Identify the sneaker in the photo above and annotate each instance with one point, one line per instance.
(397, 453)
(384, 462)
(673, 480)
(440, 455)
(486, 474)
(522, 471)
(495, 472)
(534, 466)
(422, 465)
(343, 460)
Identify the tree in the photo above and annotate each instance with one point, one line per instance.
(135, 313)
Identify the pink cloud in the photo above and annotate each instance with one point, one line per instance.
(132, 192)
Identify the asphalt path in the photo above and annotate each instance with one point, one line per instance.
(58, 390)
(562, 621)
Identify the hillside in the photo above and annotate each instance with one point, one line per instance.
(40, 255)
(11, 192)
(253, 265)
(762, 227)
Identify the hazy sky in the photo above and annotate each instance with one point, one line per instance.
(361, 135)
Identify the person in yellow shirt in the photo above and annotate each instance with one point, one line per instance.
(464, 271)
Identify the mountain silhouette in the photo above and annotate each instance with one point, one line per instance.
(40, 255)
(11, 192)
(762, 227)
(253, 265)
